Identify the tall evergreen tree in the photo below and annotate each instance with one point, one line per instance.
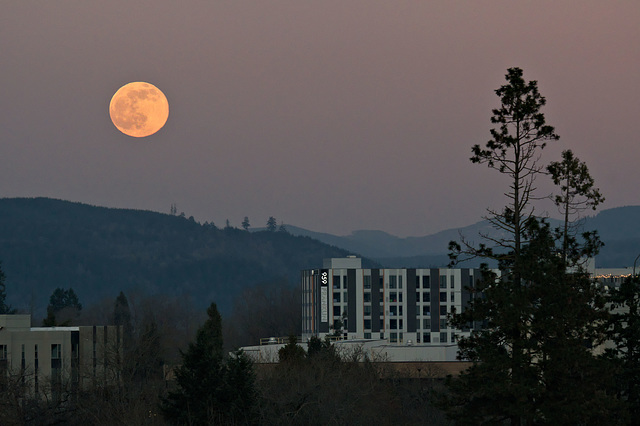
(532, 358)
(200, 377)
(64, 306)
(291, 352)
(514, 151)
(272, 225)
(122, 316)
(245, 223)
(577, 193)
(239, 396)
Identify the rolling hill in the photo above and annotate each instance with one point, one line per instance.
(47, 243)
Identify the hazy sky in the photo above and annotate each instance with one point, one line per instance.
(332, 115)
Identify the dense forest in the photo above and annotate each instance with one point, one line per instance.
(47, 244)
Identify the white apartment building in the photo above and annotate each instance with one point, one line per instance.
(402, 306)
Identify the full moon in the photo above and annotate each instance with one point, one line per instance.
(139, 109)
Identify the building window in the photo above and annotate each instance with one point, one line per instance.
(426, 297)
(443, 281)
(443, 296)
(453, 297)
(393, 281)
(367, 324)
(443, 337)
(35, 368)
(400, 297)
(426, 281)
(426, 323)
(443, 323)
(393, 324)
(443, 310)
(381, 324)
(400, 310)
(426, 310)
(56, 350)
(393, 310)
(336, 311)
(336, 281)
(452, 281)
(56, 362)
(400, 284)
(418, 284)
(393, 337)
(367, 335)
(417, 296)
(367, 281)
(426, 337)
(336, 297)
(367, 297)
(3, 364)
(367, 310)
(345, 297)
(393, 296)
(401, 324)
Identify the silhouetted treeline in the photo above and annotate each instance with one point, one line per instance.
(203, 384)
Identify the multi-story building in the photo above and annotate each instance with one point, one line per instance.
(50, 359)
(402, 306)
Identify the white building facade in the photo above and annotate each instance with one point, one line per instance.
(402, 306)
(50, 359)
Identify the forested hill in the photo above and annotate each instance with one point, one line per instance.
(47, 243)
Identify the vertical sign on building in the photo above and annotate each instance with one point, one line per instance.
(324, 295)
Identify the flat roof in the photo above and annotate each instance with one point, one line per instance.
(55, 328)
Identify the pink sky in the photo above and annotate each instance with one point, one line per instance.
(329, 115)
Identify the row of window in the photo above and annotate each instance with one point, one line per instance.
(56, 352)
(426, 337)
(398, 324)
(395, 296)
(395, 310)
(396, 281)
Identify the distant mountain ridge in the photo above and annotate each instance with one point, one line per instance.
(47, 243)
(619, 229)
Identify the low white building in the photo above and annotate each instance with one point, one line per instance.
(50, 359)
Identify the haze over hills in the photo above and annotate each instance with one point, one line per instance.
(619, 229)
(47, 243)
